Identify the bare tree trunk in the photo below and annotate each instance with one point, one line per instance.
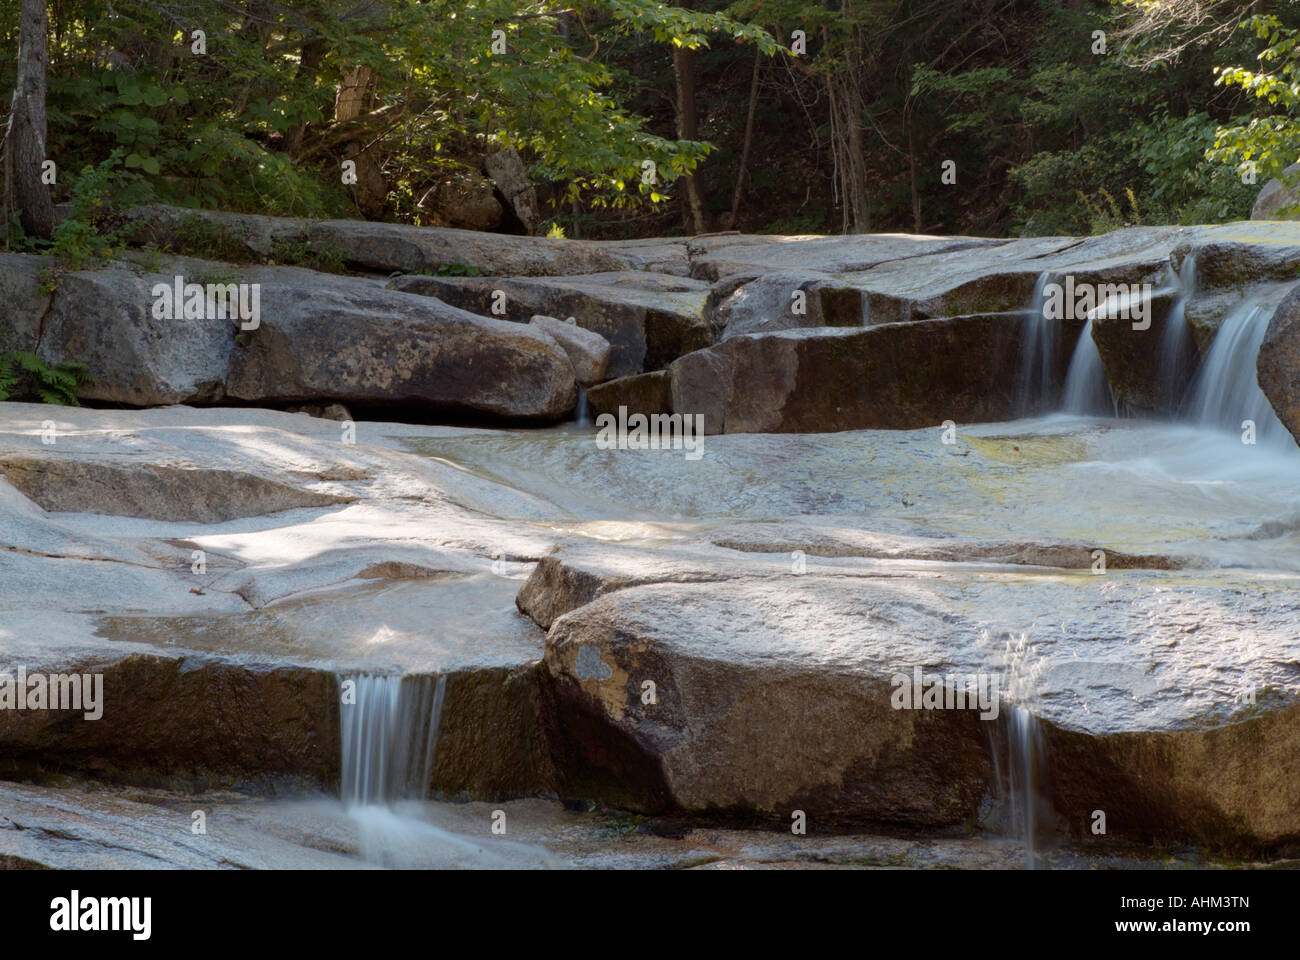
(353, 100)
(25, 138)
(749, 138)
(688, 129)
(911, 162)
(313, 50)
(853, 105)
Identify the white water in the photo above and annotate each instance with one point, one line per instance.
(583, 415)
(1226, 391)
(1017, 748)
(1025, 758)
(1087, 391)
(388, 737)
(1177, 351)
(1038, 343)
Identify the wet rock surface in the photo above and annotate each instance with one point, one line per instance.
(911, 330)
(771, 591)
(704, 638)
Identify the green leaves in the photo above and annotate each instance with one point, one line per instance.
(147, 164)
(25, 376)
(1270, 141)
(244, 129)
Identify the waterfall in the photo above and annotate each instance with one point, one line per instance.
(1177, 351)
(1024, 742)
(1017, 749)
(1226, 389)
(1039, 337)
(583, 416)
(388, 736)
(1087, 391)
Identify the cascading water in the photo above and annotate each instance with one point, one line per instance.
(388, 736)
(1226, 390)
(1177, 352)
(583, 415)
(1039, 336)
(1016, 746)
(1024, 759)
(1087, 391)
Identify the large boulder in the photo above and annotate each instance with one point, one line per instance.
(752, 694)
(463, 198)
(1277, 199)
(361, 344)
(587, 351)
(753, 715)
(360, 245)
(1278, 364)
(648, 319)
(506, 168)
(896, 375)
(645, 393)
(105, 319)
(23, 300)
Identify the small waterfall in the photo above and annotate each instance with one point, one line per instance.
(1018, 752)
(1226, 390)
(1039, 337)
(1086, 389)
(583, 416)
(1177, 351)
(388, 737)
(1024, 762)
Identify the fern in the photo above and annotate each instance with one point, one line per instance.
(25, 376)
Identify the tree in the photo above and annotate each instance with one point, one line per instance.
(688, 129)
(25, 134)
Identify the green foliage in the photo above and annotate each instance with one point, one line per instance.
(86, 237)
(245, 126)
(325, 257)
(1270, 142)
(26, 377)
(1037, 123)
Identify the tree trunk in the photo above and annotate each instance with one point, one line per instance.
(688, 129)
(749, 139)
(313, 50)
(853, 106)
(353, 100)
(25, 138)
(911, 164)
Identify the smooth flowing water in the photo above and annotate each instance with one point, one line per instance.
(388, 736)
(1039, 343)
(1177, 351)
(1017, 750)
(1226, 393)
(1087, 391)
